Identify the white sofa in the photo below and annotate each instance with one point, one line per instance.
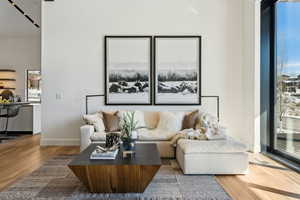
(194, 156)
(212, 157)
(161, 137)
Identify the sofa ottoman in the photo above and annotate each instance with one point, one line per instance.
(212, 157)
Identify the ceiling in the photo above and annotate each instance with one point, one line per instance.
(13, 23)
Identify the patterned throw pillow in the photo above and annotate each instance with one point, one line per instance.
(210, 125)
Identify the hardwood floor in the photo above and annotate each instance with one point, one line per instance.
(267, 179)
(24, 155)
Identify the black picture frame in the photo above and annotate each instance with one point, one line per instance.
(106, 93)
(199, 84)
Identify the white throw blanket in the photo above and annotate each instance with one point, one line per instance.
(210, 133)
(188, 134)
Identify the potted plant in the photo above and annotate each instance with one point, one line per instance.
(128, 130)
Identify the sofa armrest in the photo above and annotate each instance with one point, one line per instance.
(85, 136)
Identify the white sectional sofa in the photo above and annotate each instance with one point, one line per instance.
(220, 156)
(212, 157)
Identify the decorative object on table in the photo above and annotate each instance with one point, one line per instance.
(128, 154)
(128, 70)
(7, 95)
(112, 138)
(101, 153)
(177, 67)
(128, 130)
(2, 100)
(17, 98)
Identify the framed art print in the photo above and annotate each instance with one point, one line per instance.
(177, 70)
(128, 70)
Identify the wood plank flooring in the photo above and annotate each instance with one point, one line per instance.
(24, 155)
(267, 179)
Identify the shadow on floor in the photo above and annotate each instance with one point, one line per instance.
(274, 190)
(265, 164)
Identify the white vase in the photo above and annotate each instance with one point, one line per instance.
(134, 135)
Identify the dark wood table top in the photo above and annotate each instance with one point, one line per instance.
(145, 154)
(13, 104)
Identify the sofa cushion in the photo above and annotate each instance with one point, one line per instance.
(111, 121)
(95, 120)
(211, 146)
(189, 120)
(155, 135)
(170, 121)
(151, 119)
(98, 136)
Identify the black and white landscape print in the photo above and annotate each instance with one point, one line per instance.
(177, 70)
(128, 70)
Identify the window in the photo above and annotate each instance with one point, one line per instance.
(287, 78)
(33, 86)
(280, 78)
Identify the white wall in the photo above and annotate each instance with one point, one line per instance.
(72, 54)
(251, 72)
(20, 53)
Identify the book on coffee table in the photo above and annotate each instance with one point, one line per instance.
(109, 155)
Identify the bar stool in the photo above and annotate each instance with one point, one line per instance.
(11, 111)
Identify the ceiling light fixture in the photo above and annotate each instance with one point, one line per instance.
(23, 13)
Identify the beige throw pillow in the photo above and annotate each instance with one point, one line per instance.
(95, 120)
(189, 120)
(171, 121)
(111, 121)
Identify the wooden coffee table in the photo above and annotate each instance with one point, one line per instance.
(122, 175)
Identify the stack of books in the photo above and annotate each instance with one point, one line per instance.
(108, 155)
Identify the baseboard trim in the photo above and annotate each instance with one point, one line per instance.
(19, 132)
(59, 142)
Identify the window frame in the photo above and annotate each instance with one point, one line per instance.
(271, 131)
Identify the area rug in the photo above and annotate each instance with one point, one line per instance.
(54, 181)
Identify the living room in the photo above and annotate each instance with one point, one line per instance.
(151, 99)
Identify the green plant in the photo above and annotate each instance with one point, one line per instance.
(128, 124)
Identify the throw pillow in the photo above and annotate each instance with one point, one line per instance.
(95, 120)
(210, 126)
(111, 121)
(171, 121)
(189, 120)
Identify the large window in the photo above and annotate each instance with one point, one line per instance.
(280, 78)
(287, 78)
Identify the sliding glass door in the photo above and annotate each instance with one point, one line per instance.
(286, 133)
(280, 78)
